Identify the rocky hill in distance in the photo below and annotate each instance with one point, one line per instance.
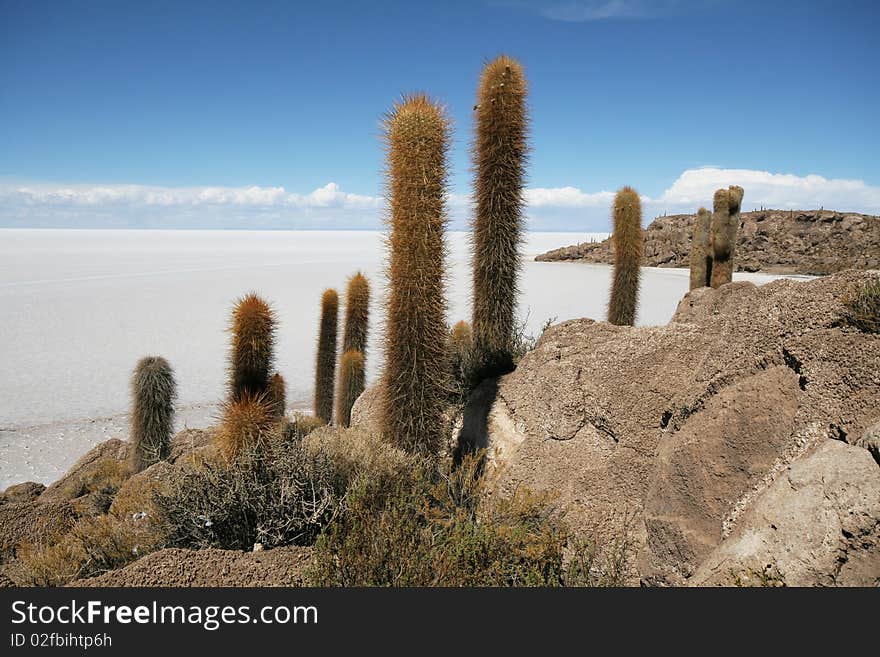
(776, 241)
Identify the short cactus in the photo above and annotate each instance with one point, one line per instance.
(461, 340)
(276, 394)
(629, 249)
(252, 349)
(725, 223)
(249, 425)
(325, 369)
(416, 378)
(701, 256)
(357, 314)
(153, 392)
(499, 153)
(351, 385)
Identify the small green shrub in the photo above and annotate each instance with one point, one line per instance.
(862, 306)
(427, 527)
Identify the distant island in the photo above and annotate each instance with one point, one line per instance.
(778, 241)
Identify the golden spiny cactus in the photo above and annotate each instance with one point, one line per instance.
(252, 348)
(351, 385)
(499, 154)
(357, 314)
(416, 378)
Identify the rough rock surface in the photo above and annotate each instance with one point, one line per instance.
(24, 492)
(796, 242)
(32, 522)
(210, 567)
(689, 429)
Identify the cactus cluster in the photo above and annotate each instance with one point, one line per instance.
(725, 223)
(499, 154)
(415, 384)
(352, 363)
(153, 391)
(629, 249)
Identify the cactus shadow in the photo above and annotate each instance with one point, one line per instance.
(474, 433)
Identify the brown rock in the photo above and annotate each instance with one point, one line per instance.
(818, 524)
(32, 522)
(24, 492)
(685, 425)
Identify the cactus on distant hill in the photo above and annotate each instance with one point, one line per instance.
(725, 224)
(701, 256)
(153, 391)
(629, 249)
(499, 153)
(416, 378)
(325, 368)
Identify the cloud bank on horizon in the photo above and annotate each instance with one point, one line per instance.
(51, 205)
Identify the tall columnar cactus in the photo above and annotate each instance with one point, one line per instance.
(357, 314)
(276, 394)
(351, 385)
(725, 223)
(252, 349)
(701, 256)
(153, 392)
(325, 369)
(499, 154)
(416, 379)
(629, 249)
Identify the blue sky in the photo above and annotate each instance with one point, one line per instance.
(267, 113)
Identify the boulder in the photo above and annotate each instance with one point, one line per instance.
(686, 427)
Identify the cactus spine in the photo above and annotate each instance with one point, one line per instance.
(725, 223)
(629, 248)
(325, 370)
(499, 154)
(351, 385)
(416, 378)
(153, 392)
(357, 314)
(252, 349)
(701, 256)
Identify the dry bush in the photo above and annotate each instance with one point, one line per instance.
(355, 452)
(427, 527)
(96, 486)
(281, 494)
(91, 547)
(862, 306)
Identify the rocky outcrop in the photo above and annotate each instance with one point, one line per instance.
(780, 241)
(720, 435)
(210, 567)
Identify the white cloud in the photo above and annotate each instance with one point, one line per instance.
(554, 208)
(595, 10)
